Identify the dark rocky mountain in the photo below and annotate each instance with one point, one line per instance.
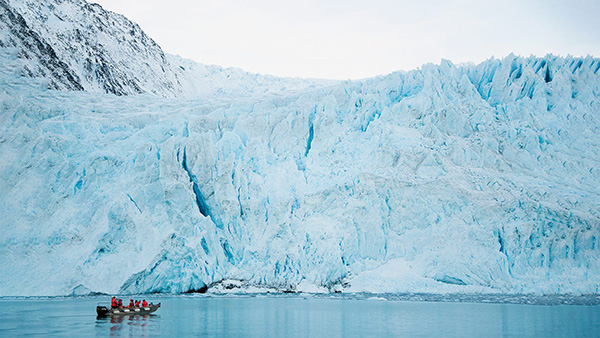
(80, 46)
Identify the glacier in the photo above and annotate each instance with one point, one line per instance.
(448, 178)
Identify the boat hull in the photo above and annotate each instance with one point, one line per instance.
(103, 311)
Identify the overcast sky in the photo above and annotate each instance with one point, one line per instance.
(350, 39)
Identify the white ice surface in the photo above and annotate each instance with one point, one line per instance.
(443, 179)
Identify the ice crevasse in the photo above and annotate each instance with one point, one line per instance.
(469, 178)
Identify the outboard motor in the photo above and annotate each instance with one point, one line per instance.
(101, 311)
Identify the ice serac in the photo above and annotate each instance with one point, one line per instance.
(443, 179)
(471, 178)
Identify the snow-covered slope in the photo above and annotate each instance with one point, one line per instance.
(210, 81)
(80, 46)
(445, 178)
(474, 178)
(75, 45)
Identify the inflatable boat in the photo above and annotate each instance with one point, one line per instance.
(103, 311)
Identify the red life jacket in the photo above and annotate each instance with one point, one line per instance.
(113, 302)
(137, 304)
(144, 303)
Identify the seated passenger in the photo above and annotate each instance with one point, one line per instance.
(131, 305)
(120, 303)
(144, 303)
(137, 303)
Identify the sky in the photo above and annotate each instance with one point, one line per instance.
(355, 39)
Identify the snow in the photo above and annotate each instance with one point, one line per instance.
(76, 45)
(473, 178)
(387, 193)
(401, 276)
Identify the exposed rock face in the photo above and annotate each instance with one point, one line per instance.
(472, 178)
(80, 46)
(443, 179)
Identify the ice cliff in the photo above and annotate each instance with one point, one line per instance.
(470, 178)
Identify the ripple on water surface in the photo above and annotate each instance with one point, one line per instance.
(312, 315)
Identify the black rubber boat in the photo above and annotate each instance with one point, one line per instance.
(103, 311)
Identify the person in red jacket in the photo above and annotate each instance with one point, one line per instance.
(137, 303)
(120, 303)
(131, 305)
(113, 302)
(144, 303)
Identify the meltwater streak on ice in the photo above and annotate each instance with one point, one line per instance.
(443, 179)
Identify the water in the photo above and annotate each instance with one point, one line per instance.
(298, 316)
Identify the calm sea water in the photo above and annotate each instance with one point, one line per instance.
(298, 316)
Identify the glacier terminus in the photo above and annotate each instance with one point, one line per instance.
(153, 173)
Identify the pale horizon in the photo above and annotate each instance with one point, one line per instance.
(352, 40)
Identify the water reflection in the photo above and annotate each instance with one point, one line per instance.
(298, 316)
(117, 326)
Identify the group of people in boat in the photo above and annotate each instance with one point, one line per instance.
(118, 303)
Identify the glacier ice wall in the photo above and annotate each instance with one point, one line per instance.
(447, 178)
